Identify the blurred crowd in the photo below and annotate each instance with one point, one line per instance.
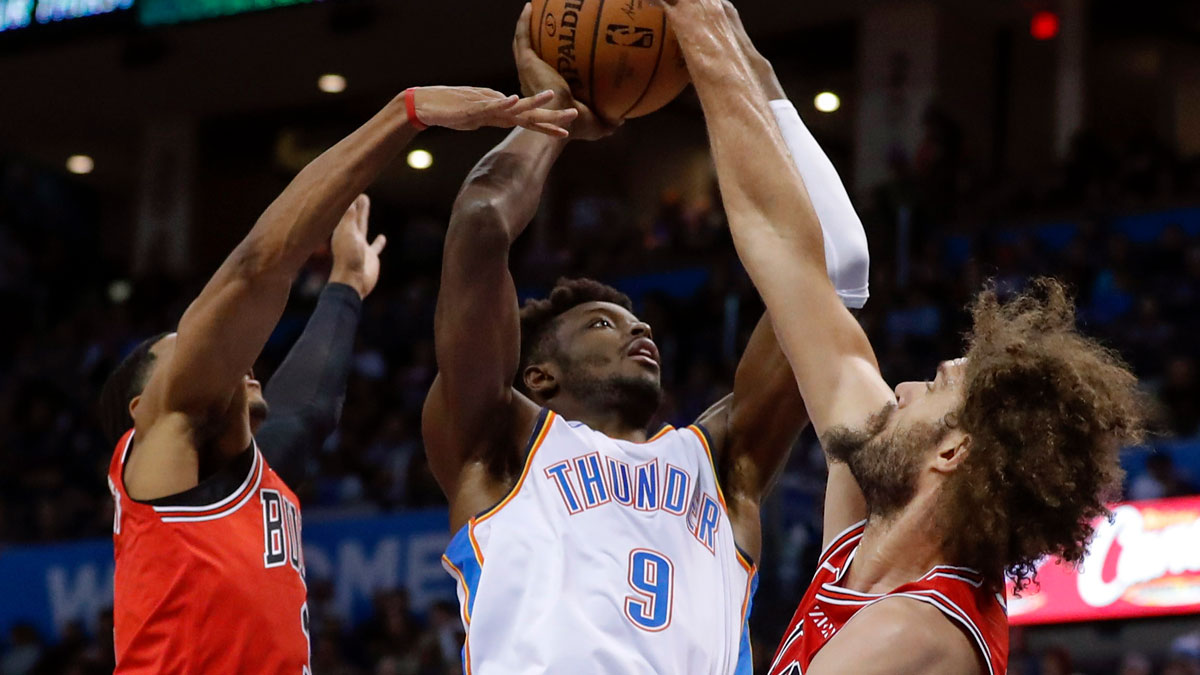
(938, 233)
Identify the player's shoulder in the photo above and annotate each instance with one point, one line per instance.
(907, 634)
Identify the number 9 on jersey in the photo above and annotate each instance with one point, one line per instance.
(651, 576)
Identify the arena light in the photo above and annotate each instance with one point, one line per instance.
(332, 83)
(80, 164)
(420, 159)
(119, 291)
(1044, 25)
(827, 102)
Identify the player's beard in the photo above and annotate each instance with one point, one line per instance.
(636, 399)
(885, 466)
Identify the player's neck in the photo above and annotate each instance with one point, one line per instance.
(230, 441)
(611, 423)
(898, 549)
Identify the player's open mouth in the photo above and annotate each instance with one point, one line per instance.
(643, 350)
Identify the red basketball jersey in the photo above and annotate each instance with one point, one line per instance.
(958, 592)
(210, 588)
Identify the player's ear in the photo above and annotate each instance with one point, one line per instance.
(133, 404)
(541, 380)
(952, 451)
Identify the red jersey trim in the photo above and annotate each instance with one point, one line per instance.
(844, 538)
(125, 452)
(195, 514)
(955, 613)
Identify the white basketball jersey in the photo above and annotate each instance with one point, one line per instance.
(607, 557)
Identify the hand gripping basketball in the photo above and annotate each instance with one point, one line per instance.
(537, 75)
(469, 108)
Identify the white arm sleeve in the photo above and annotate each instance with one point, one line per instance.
(846, 256)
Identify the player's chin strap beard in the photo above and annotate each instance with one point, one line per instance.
(635, 400)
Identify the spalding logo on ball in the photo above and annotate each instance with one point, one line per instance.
(619, 56)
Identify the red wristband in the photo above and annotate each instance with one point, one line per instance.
(410, 105)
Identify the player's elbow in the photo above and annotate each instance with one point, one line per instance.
(478, 222)
(853, 275)
(262, 259)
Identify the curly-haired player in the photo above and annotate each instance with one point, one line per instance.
(937, 489)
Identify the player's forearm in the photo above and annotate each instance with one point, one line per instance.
(758, 180)
(504, 189)
(304, 215)
(311, 381)
(307, 390)
(847, 256)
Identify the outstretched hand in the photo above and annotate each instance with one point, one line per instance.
(537, 75)
(469, 108)
(356, 262)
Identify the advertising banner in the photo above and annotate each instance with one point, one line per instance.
(53, 586)
(1146, 562)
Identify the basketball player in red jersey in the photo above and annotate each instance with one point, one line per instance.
(936, 489)
(217, 587)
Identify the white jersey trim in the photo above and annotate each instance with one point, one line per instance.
(218, 504)
(827, 552)
(956, 614)
(245, 498)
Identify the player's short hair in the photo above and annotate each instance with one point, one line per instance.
(540, 317)
(123, 384)
(1047, 411)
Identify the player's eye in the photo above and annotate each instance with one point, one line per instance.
(601, 323)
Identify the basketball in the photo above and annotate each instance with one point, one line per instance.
(620, 57)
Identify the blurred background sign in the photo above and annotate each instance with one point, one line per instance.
(156, 12)
(1145, 562)
(16, 14)
(55, 587)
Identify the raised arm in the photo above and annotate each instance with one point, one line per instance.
(473, 417)
(474, 423)
(307, 390)
(224, 329)
(774, 226)
(766, 412)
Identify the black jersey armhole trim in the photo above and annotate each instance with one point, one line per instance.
(224, 483)
(538, 424)
(708, 439)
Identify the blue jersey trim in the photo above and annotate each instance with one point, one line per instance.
(745, 662)
(461, 554)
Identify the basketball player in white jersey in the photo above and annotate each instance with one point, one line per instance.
(937, 489)
(584, 544)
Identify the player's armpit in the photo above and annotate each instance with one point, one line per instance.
(898, 636)
(759, 424)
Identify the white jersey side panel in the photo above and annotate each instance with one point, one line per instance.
(607, 557)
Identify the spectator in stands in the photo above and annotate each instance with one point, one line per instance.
(23, 652)
(1135, 664)
(1162, 479)
(1180, 397)
(1057, 661)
